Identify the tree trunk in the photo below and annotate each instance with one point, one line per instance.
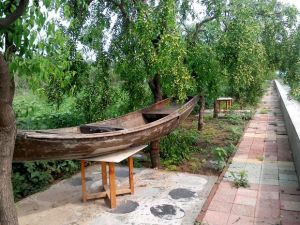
(201, 112)
(154, 154)
(216, 110)
(154, 85)
(8, 213)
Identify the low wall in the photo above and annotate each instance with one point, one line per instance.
(291, 112)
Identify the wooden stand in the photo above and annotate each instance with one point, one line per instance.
(218, 102)
(109, 183)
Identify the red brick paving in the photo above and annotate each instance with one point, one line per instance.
(275, 198)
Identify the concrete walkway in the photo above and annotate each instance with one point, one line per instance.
(273, 196)
(160, 197)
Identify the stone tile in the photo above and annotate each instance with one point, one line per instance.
(247, 193)
(219, 206)
(289, 223)
(290, 216)
(269, 181)
(290, 190)
(270, 176)
(227, 191)
(288, 172)
(224, 198)
(240, 220)
(270, 171)
(288, 177)
(268, 195)
(270, 157)
(267, 213)
(243, 210)
(289, 197)
(268, 221)
(226, 185)
(254, 180)
(215, 218)
(243, 200)
(288, 183)
(267, 209)
(290, 205)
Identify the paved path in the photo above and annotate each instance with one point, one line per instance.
(160, 197)
(264, 153)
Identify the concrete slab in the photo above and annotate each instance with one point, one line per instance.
(160, 197)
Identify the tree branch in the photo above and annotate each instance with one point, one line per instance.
(200, 24)
(8, 20)
(122, 9)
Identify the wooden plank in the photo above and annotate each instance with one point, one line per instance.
(163, 111)
(112, 185)
(117, 157)
(83, 181)
(224, 99)
(130, 167)
(119, 191)
(104, 173)
(97, 195)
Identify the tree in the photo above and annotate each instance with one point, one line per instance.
(17, 40)
(148, 53)
(202, 58)
(241, 52)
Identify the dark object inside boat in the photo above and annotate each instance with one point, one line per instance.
(88, 129)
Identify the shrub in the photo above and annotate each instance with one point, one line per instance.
(240, 179)
(31, 177)
(178, 146)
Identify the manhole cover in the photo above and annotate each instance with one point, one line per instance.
(167, 212)
(125, 207)
(182, 194)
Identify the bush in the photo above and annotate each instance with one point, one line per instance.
(35, 113)
(178, 146)
(31, 177)
(221, 154)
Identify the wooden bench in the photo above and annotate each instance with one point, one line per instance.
(109, 183)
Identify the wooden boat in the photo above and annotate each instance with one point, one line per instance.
(95, 139)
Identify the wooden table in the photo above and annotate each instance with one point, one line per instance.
(109, 183)
(227, 100)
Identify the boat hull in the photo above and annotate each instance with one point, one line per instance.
(42, 146)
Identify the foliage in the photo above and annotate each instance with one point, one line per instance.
(240, 179)
(33, 112)
(96, 95)
(242, 55)
(178, 146)
(204, 65)
(31, 177)
(231, 52)
(221, 154)
(238, 117)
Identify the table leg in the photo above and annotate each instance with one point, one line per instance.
(130, 166)
(104, 173)
(112, 185)
(83, 181)
(227, 105)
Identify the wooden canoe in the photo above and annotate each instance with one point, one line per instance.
(95, 139)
